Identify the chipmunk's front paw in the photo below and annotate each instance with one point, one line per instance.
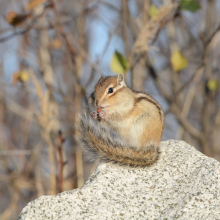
(101, 114)
(94, 115)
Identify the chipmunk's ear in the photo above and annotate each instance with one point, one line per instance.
(100, 78)
(121, 80)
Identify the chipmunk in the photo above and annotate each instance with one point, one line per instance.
(129, 127)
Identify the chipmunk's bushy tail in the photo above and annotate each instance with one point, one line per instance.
(103, 143)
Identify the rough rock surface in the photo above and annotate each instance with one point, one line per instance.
(182, 184)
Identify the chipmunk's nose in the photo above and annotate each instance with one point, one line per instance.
(98, 103)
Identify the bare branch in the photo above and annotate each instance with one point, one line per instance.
(185, 123)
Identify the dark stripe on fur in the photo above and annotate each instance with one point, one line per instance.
(103, 79)
(154, 102)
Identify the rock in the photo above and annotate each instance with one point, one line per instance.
(182, 184)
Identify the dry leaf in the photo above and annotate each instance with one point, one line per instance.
(34, 3)
(56, 44)
(10, 16)
(15, 77)
(16, 19)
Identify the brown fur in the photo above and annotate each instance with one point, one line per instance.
(134, 118)
(102, 143)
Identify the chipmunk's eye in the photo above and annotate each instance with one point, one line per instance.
(110, 90)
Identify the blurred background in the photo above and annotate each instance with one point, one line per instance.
(52, 53)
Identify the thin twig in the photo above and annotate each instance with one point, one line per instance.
(196, 133)
(73, 52)
(188, 102)
(59, 153)
(18, 152)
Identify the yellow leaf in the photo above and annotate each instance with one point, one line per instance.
(21, 76)
(24, 76)
(118, 63)
(213, 84)
(179, 62)
(153, 11)
(34, 3)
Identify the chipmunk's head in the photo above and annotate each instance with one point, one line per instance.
(110, 92)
